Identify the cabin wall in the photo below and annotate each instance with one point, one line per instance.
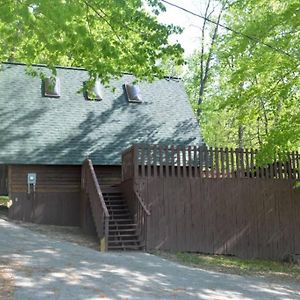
(57, 197)
(3, 180)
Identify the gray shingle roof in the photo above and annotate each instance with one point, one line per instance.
(39, 130)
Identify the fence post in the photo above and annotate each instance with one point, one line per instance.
(135, 161)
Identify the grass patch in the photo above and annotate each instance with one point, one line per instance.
(236, 265)
(4, 200)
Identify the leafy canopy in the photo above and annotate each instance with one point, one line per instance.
(253, 95)
(107, 37)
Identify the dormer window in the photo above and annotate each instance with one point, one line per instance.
(133, 93)
(95, 92)
(51, 87)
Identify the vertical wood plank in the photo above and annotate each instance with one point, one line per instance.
(293, 163)
(154, 160)
(195, 157)
(211, 162)
(217, 163)
(237, 159)
(280, 169)
(143, 160)
(161, 161)
(206, 170)
(172, 160)
(242, 161)
(184, 160)
(135, 160)
(166, 150)
(222, 160)
(148, 160)
(252, 163)
(297, 164)
(227, 163)
(289, 165)
(190, 161)
(247, 170)
(271, 170)
(178, 161)
(232, 165)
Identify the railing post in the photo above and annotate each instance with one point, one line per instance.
(135, 160)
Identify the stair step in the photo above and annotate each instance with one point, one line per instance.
(123, 230)
(115, 209)
(111, 193)
(122, 225)
(119, 213)
(121, 235)
(124, 248)
(115, 202)
(124, 242)
(115, 222)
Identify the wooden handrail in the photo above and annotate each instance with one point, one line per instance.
(142, 204)
(95, 181)
(92, 191)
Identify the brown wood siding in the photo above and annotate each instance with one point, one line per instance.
(108, 175)
(243, 217)
(57, 199)
(3, 180)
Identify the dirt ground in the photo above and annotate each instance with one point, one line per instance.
(62, 233)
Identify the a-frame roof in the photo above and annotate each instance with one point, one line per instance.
(39, 130)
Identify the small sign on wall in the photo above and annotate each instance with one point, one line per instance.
(31, 181)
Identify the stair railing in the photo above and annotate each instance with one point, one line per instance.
(91, 188)
(141, 218)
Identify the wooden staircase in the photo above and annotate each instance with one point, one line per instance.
(122, 230)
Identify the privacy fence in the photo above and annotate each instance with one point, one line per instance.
(216, 200)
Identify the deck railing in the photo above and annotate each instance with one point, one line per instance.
(199, 161)
(141, 218)
(91, 189)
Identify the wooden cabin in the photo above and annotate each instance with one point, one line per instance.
(50, 127)
(126, 163)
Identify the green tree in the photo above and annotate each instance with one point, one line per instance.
(107, 37)
(253, 95)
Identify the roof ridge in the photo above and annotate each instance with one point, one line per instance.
(73, 68)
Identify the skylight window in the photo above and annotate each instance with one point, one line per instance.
(51, 87)
(133, 93)
(95, 92)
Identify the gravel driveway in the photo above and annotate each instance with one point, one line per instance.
(36, 266)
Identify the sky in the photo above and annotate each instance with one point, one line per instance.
(190, 38)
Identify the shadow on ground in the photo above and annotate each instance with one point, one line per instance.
(47, 268)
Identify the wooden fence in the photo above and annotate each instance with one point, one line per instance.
(246, 210)
(193, 161)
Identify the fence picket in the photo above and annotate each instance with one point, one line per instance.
(143, 160)
(227, 163)
(161, 164)
(217, 163)
(232, 166)
(184, 161)
(196, 169)
(190, 161)
(167, 160)
(172, 161)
